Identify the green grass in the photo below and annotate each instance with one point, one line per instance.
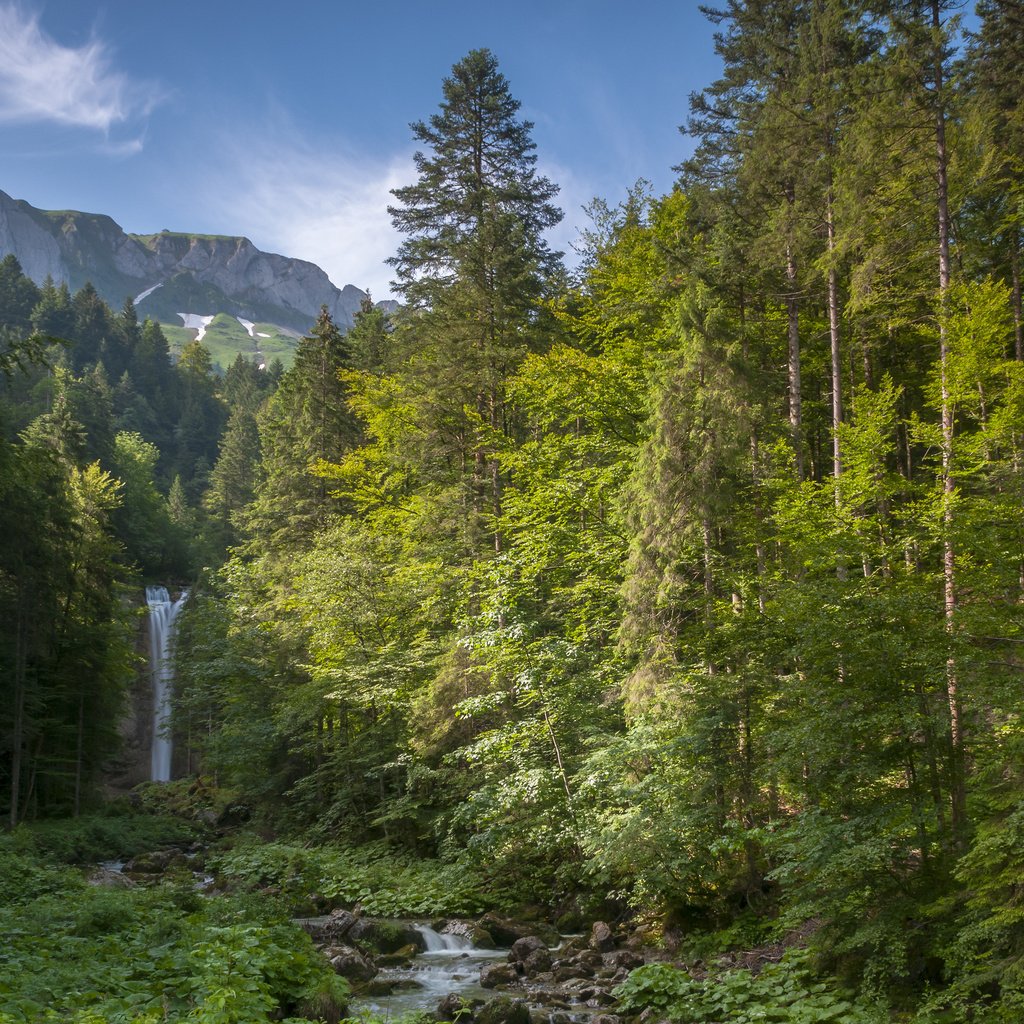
(226, 337)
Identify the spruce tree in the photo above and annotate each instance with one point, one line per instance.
(473, 268)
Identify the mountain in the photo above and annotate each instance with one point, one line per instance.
(173, 276)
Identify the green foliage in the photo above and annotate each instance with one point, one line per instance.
(383, 883)
(75, 952)
(785, 992)
(96, 837)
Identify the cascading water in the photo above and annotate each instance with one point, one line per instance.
(449, 963)
(440, 942)
(162, 615)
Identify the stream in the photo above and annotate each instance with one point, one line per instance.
(450, 963)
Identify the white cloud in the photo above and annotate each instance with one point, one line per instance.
(325, 205)
(320, 201)
(42, 80)
(574, 193)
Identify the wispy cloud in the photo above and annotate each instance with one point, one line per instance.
(43, 81)
(319, 202)
(574, 195)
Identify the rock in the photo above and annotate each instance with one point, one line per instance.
(605, 1018)
(537, 962)
(623, 958)
(505, 931)
(497, 974)
(164, 267)
(380, 987)
(570, 921)
(576, 944)
(399, 959)
(452, 1008)
(155, 862)
(504, 1010)
(342, 920)
(350, 963)
(108, 878)
(601, 938)
(523, 947)
(327, 929)
(383, 935)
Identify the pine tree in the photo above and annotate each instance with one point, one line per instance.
(306, 423)
(994, 58)
(473, 268)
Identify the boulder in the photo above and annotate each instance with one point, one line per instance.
(537, 962)
(155, 862)
(505, 931)
(623, 958)
(328, 929)
(494, 975)
(503, 1010)
(350, 963)
(523, 947)
(452, 1008)
(380, 987)
(601, 938)
(383, 935)
(400, 959)
(480, 937)
(108, 878)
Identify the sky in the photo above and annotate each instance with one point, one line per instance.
(288, 122)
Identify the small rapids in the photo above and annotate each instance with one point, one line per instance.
(450, 963)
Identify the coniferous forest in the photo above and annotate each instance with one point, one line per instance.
(675, 599)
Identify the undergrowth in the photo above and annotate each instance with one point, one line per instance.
(383, 883)
(782, 993)
(76, 953)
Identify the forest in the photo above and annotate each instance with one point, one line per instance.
(680, 590)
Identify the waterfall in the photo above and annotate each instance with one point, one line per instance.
(442, 942)
(162, 615)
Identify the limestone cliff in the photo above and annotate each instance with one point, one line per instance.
(170, 273)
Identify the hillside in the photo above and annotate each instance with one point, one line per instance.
(178, 278)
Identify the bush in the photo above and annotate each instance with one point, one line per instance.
(74, 953)
(384, 884)
(783, 993)
(94, 838)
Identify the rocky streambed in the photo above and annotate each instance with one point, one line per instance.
(489, 971)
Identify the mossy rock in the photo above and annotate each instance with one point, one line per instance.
(503, 1010)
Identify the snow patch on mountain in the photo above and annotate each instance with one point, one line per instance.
(149, 291)
(196, 322)
(247, 324)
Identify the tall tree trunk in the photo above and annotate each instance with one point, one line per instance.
(793, 323)
(958, 797)
(1018, 325)
(18, 725)
(79, 747)
(833, 331)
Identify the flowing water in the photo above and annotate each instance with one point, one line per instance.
(450, 963)
(162, 614)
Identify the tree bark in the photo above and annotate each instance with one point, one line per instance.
(793, 323)
(957, 766)
(1018, 325)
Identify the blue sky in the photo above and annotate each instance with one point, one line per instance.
(288, 121)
